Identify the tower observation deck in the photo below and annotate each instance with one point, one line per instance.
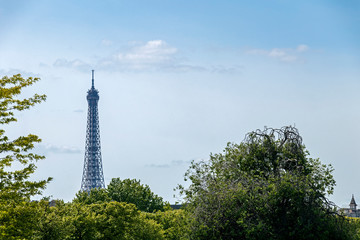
(93, 176)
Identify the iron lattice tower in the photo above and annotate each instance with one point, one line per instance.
(93, 176)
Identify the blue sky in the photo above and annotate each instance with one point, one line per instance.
(180, 79)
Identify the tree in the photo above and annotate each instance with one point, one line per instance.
(96, 195)
(15, 186)
(128, 190)
(53, 221)
(120, 220)
(107, 220)
(175, 223)
(132, 191)
(19, 221)
(266, 187)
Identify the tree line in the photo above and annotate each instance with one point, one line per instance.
(265, 187)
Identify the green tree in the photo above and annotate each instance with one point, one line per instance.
(175, 223)
(266, 187)
(96, 195)
(119, 220)
(128, 190)
(132, 191)
(97, 221)
(67, 221)
(19, 220)
(17, 214)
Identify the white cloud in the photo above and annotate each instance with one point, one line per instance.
(256, 51)
(226, 69)
(156, 50)
(153, 55)
(148, 56)
(14, 71)
(77, 64)
(156, 53)
(179, 67)
(302, 48)
(281, 54)
(171, 164)
(277, 53)
(106, 42)
(49, 148)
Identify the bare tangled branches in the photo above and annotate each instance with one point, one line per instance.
(287, 134)
(284, 144)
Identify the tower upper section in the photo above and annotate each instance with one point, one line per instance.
(92, 94)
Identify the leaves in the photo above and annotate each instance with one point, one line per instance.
(18, 215)
(266, 187)
(132, 191)
(107, 220)
(127, 190)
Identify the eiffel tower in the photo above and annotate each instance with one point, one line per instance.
(93, 176)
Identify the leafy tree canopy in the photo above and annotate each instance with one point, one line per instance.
(132, 191)
(15, 184)
(107, 220)
(266, 187)
(127, 190)
(17, 214)
(96, 195)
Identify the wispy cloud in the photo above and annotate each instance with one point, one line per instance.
(152, 51)
(49, 148)
(226, 69)
(76, 64)
(154, 55)
(302, 48)
(281, 54)
(171, 164)
(151, 55)
(180, 67)
(13, 71)
(106, 42)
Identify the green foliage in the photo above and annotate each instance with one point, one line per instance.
(132, 191)
(53, 223)
(175, 223)
(354, 225)
(18, 216)
(128, 190)
(14, 185)
(18, 221)
(157, 219)
(108, 220)
(96, 195)
(263, 188)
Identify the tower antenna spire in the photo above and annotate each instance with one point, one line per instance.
(92, 78)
